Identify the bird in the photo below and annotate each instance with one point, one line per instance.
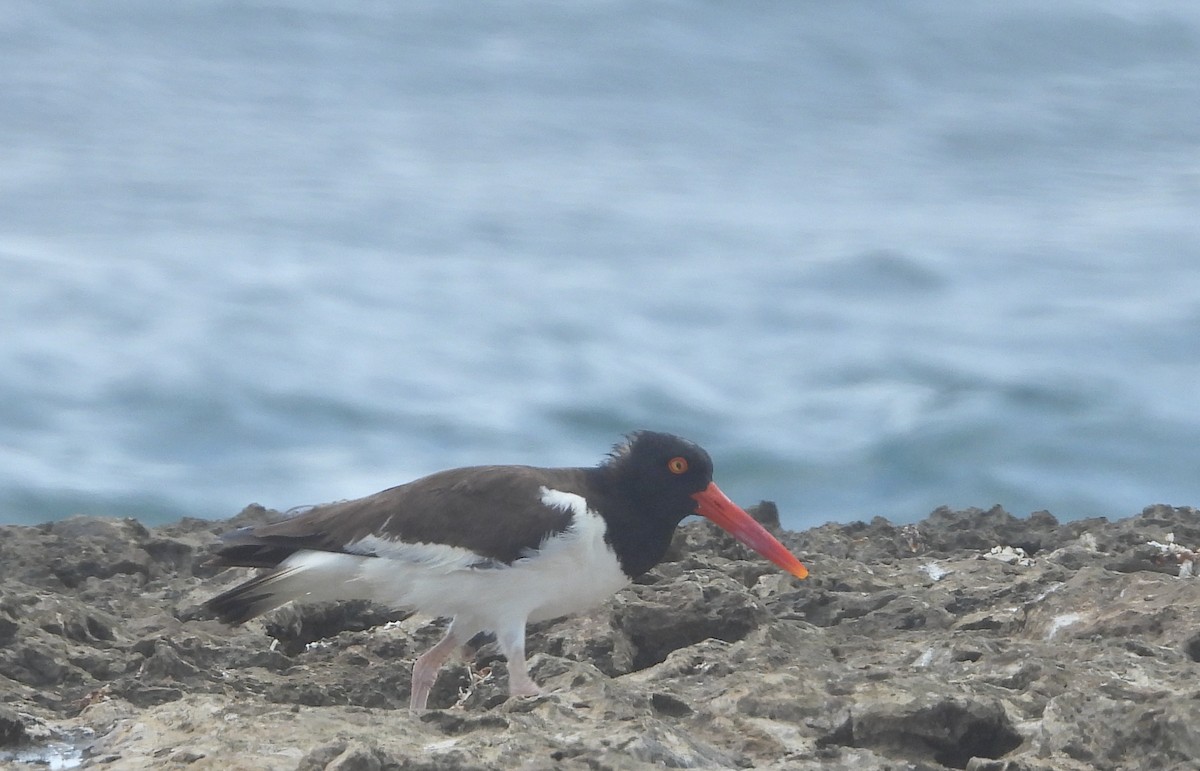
(493, 548)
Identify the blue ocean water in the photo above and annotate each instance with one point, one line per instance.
(875, 257)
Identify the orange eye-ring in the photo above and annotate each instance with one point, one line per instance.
(677, 465)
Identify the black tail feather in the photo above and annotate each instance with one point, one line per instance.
(244, 548)
(248, 600)
(253, 555)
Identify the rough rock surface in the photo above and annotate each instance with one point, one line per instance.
(910, 647)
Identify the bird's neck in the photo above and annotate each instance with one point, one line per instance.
(638, 531)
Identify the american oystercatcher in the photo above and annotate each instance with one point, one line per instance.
(491, 547)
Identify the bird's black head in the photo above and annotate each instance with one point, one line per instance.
(648, 482)
(651, 482)
(661, 472)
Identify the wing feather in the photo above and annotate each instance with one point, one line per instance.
(493, 511)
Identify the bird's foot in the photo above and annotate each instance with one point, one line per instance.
(524, 688)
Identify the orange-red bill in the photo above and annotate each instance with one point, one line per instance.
(715, 505)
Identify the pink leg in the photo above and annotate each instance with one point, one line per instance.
(512, 642)
(426, 667)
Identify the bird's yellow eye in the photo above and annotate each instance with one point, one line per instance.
(677, 465)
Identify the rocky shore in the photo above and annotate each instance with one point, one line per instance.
(972, 639)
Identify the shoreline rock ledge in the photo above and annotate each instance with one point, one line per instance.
(971, 639)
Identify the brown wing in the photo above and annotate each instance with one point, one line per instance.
(494, 511)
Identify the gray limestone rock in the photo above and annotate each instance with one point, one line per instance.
(919, 646)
